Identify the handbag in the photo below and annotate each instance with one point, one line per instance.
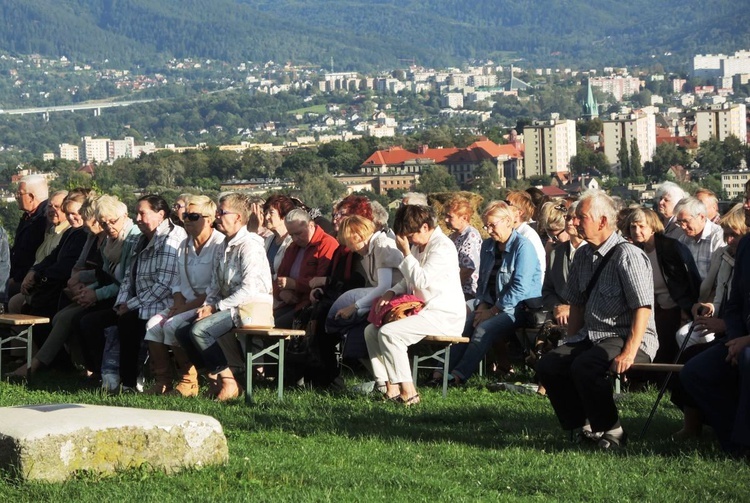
(257, 313)
(397, 308)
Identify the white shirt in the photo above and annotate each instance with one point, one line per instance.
(526, 231)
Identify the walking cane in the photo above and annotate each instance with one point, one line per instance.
(666, 381)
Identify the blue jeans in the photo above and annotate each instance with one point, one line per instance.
(722, 392)
(204, 333)
(465, 358)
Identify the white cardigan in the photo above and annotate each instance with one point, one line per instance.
(433, 276)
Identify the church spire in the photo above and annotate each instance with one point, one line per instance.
(590, 107)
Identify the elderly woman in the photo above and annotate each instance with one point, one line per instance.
(509, 281)
(666, 197)
(560, 259)
(468, 241)
(195, 261)
(381, 259)
(178, 208)
(307, 257)
(274, 210)
(431, 273)
(103, 284)
(146, 288)
(676, 278)
(241, 274)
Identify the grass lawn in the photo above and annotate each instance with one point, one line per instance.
(315, 109)
(474, 446)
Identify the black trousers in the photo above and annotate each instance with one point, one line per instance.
(92, 325)
(131, 330)
(578, 384)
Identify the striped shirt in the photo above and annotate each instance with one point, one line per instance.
(624, 285)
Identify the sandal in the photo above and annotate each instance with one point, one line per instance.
(611, 443)
(412, 400)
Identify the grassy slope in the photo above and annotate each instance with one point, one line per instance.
(474, 446)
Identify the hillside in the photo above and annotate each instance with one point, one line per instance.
(375, 33)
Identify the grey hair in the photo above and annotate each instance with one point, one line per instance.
(379, 215)
(671, 188)
(415, 198)
(110, 208)
(692, 205)
(57, 193)
(297, 215)
(601, 205)
(37, 185)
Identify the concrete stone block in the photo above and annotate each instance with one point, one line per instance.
(52, 442)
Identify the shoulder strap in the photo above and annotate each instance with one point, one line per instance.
(599, 269)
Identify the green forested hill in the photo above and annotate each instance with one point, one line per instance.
(373, 33)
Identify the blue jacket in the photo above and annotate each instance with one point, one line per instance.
(519, 277)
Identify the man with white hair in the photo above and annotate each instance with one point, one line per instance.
(667, 196)
(708, 198)
(31, 197)
(611, 326)
(700, 235)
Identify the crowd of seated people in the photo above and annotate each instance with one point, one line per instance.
(171, 282)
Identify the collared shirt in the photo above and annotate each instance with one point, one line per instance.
(624, 285)
(702, 249)
(468, 243)
(155, 272)
(51, 239)
(241, 274)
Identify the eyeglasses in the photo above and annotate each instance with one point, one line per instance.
(555, 236)
(177, 206)
(192, 217)
(109, 223)
(20, 194)
(221, 213)
(684, 221)
(491, 225)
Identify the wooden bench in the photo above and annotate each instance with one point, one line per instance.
(25, 336)
(649, 367)
(277, 337)
(441, 356)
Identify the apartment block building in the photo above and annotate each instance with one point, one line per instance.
(617, 85)
(69, 152)
(721, 121)
(638, 125)
(549, 145)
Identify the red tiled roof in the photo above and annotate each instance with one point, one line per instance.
(552, 191)
(477, 151)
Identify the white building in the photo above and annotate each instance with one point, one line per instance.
(69, 152)
(549, 146)
(721, 121)
(95, 149)
(733, 183)
(709, 66)
(120, 148)
(617, 85)
(638, 125)
(453, 100)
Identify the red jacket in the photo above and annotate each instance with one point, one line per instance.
(315, 261)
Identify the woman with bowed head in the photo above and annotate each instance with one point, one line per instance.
(431, 273)
(241, 275)
(195, 261)
(146, 288)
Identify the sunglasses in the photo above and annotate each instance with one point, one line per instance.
(193, 217)
(221, 213)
